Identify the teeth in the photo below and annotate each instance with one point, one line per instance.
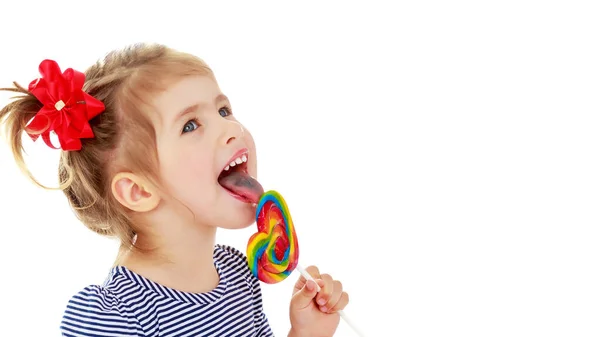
(237, 161)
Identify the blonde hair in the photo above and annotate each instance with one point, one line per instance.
(124, 136)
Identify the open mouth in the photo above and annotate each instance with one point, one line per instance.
(237, 167)
(234, 178)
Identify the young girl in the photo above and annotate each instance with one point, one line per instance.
(152, 154)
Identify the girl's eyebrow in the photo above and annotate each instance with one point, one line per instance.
(221, 98)
(189, 109)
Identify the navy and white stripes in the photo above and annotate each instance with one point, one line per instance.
(128, 304)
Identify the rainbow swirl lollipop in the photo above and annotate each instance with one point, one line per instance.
(273, 250)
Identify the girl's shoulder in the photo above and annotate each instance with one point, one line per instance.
(234, 261)
(98, 310)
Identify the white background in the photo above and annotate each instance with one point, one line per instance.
(440, 158)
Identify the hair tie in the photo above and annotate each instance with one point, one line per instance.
(66, 107)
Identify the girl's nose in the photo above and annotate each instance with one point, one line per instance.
(232, 130)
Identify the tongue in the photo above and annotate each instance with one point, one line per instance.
(243, 185)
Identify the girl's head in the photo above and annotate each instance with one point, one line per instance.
(158, 149)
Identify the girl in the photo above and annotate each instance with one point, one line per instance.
(152, 155)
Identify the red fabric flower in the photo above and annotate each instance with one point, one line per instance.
(67, 108)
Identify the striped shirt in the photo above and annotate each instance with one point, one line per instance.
(127, 304)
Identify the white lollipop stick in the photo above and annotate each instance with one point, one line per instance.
(342, 314)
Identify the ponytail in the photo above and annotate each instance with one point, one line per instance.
(15, 116)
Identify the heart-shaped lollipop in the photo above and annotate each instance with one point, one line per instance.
(273, 250)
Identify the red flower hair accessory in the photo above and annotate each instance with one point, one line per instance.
(67, 108)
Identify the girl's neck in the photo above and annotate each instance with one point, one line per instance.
(178, 259)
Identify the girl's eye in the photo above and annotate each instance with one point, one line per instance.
(224, 111)
(190, 126)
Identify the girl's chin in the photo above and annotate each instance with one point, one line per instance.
(248, 221)
(237, 225)
(244, 219)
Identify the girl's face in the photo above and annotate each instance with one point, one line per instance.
(197, 137)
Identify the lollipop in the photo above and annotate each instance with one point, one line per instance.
(273, 250)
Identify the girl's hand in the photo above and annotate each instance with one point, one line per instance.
(315, 314)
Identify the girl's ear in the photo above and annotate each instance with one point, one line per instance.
(134, 192)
